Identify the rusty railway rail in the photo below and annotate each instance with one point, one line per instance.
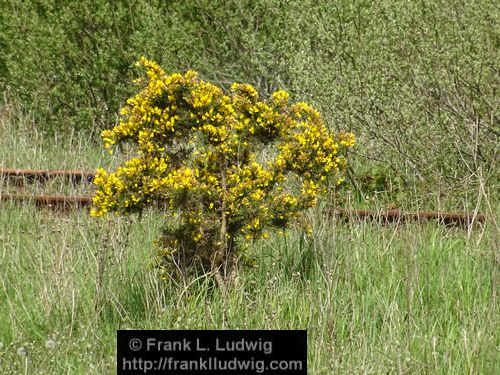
(49, 201)
(19, 176)
(446, 218)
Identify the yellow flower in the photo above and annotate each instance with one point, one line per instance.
(194, 144)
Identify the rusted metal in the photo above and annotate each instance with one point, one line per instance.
(19, 176)
(446, 218)
(49, 201)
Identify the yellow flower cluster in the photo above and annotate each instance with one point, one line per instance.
(139, 183)
(199, 152)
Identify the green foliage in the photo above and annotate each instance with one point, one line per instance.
(417, 81)
(379, 180)
(71, 60)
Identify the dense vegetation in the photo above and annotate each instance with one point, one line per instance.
(227, 167)
(412, 299)
(417, 82)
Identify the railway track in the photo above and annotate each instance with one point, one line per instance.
(18, 177)
(49, 201)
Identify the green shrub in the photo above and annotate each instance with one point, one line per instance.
(226, 167)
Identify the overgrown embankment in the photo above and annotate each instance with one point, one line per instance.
(416, 82)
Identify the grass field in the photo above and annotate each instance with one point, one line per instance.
(412, 299)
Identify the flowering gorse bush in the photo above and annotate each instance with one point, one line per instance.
(227, 167)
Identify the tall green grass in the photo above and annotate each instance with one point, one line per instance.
(412, 299)
(395, 299)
